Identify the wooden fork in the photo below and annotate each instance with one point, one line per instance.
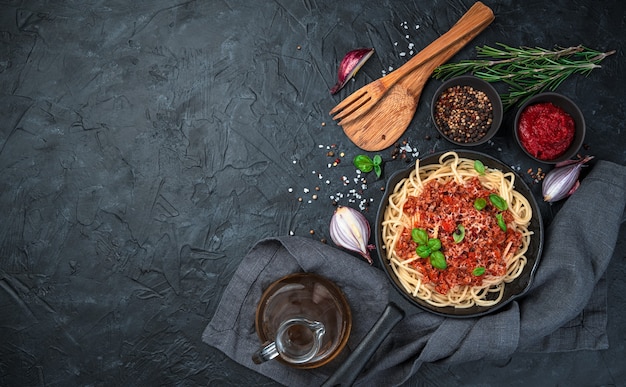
(475, 20)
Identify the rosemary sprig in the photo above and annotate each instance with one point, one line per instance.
(526, 70)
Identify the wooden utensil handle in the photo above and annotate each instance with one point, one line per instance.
(472, 23)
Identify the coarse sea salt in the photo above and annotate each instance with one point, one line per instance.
(402, 54)
(355, 194)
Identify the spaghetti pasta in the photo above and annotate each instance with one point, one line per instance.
(484, 246)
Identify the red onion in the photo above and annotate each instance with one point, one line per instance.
(350, 64)
(562, 181)
(349, 229)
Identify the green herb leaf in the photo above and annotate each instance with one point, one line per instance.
(423, 251)
(526, 70)
(434, 244)
(378, 170)
(478, 271)
(498, 201)
(363, 162)
(501, 223)
(459, 233)
(420, 236)
(480, 203)
(438, 260)
(479, 167)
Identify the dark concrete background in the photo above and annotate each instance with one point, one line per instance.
(145, 146)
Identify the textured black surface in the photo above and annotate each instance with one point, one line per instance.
(145, 146)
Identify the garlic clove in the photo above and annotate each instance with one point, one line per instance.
(350, 64)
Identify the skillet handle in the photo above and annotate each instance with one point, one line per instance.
(347, 373)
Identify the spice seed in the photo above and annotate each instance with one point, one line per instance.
(464, 114)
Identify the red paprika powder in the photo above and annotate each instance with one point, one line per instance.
(545, 130)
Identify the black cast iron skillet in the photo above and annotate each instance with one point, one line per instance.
(351, 368)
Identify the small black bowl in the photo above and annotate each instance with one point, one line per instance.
(570, 108)
(439, 116)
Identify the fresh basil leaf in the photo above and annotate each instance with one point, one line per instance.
(480, 203)
(377, 160)
(420, 236)
(478, 271)
(423, 251)
(498, 201)
(501, 223)
(363, 162)
(378, 170)
(438, 260)
(434, 244)
(458, 234)
(479, 167)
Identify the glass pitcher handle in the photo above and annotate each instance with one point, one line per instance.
(268, 352)
(281, 345)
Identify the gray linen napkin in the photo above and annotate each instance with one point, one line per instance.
(565, 309)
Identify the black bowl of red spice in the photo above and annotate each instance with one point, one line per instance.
(466, 110)
(549, 128)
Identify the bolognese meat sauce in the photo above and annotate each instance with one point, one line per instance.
(440, 209)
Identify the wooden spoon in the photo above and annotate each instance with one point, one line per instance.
(375, 116)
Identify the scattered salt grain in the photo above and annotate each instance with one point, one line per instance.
(410, 150)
